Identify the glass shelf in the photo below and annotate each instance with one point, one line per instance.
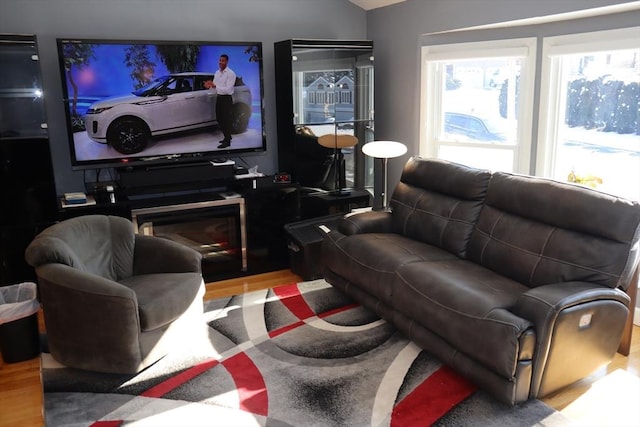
(22, 109)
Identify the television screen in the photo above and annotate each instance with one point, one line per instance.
(142, 102)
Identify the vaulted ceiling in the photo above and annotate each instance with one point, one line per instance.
(374, 4)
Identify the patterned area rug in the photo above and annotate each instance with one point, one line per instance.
(296, 355)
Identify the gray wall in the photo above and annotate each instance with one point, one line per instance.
(214, 20)
(397, 30)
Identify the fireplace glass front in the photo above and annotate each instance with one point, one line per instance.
(215, 228)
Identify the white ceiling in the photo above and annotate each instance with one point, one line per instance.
(374, 4)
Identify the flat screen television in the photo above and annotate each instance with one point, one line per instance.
(135, 102)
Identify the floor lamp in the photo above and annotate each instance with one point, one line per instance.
(384, 150)
(338, 142)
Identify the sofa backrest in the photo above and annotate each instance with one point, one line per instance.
(97, 244)
(438, 202)
(539, 231)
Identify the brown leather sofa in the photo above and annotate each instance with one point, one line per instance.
(515, 281)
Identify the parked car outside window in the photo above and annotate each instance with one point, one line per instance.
(473, 128)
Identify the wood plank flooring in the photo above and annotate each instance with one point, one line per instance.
(21, 400)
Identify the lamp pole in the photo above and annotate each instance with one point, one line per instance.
(385, 200)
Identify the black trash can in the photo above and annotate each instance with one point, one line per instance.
(304, 242)
(19, 336)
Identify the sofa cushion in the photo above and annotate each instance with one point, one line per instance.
(466, 305)
(539, 231)
(373, 258)
(438, 202)
(162, 298)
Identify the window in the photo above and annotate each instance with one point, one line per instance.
(584, 106)
(590, 111)
(471, 112)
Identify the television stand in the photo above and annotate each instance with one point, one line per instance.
(253, 210)
(184, 175)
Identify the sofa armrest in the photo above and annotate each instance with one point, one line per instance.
(578, 327)
(366, 222)
(542, 305)
(158, 255)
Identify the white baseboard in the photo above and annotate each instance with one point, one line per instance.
(636, 317)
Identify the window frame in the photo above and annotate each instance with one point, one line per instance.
(550, 91)
(432, 92)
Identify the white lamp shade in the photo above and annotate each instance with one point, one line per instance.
(384, 149)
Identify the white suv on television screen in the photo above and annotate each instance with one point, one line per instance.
(169, 104)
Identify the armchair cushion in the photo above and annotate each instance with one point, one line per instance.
(155, 255)
(160, 299)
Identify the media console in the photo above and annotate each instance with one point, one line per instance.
(237, 224)
(150, 179)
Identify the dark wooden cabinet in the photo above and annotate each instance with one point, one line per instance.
(270, 206)
(27, 185)
(315, 205)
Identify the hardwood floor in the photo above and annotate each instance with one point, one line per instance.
(21, 400)
(250, 283)
(21, 394)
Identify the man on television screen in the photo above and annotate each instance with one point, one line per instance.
(224, 81)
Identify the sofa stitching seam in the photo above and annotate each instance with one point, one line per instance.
(446, 225)
(541, 256)
(350, 257)
(452, 310)
(489, 235)
(414, 209)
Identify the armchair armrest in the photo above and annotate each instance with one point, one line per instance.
(82, 310)
(88, 284)
(366, 222)
(157, 255)
(578, 327)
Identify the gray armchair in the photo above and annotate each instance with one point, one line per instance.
(114, 301)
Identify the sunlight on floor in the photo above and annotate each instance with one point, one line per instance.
(170, 413)
(611, 401)
(212, 315)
